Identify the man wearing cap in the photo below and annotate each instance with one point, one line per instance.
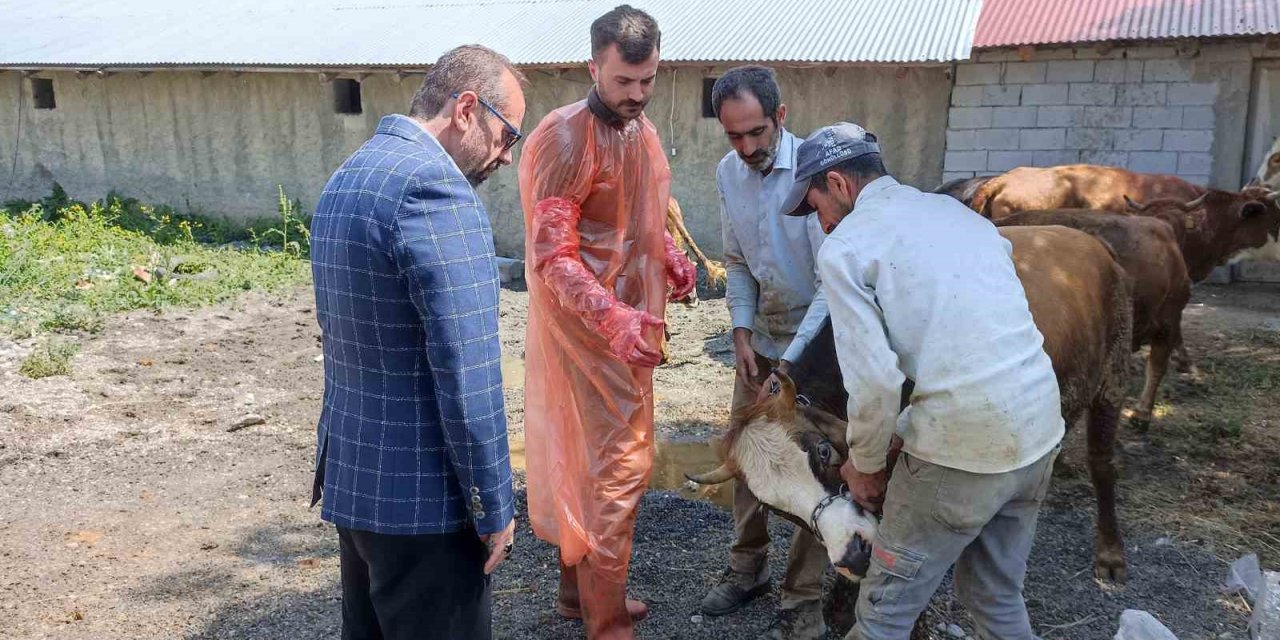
(921, 288)
(776, 307)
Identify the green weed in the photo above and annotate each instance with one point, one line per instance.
(66, 269)
(50, 359)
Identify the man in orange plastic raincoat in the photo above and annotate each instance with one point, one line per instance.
(594, 185)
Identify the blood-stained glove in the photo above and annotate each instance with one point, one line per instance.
(624, 327)
(557, 262)
(681, 274)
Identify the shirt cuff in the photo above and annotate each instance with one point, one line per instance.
(869, 465)
(743, 317)
(795, 349)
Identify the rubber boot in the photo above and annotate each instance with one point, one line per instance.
(569, 605)
(604, 605)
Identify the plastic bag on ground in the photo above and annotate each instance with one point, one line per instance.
(1245, 576)
(1140, 625)
(1265, 624)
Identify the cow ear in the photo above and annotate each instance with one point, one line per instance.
(1274, 160)
(1252, 210)
(784, 404)
(1134, 205)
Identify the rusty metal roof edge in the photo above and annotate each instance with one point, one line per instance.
(1129, 42)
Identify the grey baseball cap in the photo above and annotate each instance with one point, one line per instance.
(823, 149)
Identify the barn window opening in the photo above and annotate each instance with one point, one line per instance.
(346, 96)
(708, 111)
(42, 92)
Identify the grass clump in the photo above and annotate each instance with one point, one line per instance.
(50, 359)
(66, 265)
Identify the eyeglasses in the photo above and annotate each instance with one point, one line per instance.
(509, 131)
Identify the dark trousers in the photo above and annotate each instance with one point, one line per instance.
(414, 587)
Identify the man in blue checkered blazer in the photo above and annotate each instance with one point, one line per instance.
(412, 459)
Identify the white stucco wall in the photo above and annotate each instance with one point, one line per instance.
(219, 144)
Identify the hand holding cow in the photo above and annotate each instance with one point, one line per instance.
(744, 357)
(771, 384)
(867, 489)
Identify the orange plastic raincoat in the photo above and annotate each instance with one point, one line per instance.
(598, 264)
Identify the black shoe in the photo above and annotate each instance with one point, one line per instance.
(733, 591)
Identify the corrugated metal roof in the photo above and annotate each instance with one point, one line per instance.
(1018, 22)
(391, 33)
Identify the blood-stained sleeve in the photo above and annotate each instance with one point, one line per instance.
(556, 171)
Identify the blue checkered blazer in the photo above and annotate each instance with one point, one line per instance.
(412, 438)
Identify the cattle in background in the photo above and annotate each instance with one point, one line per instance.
(1218, 224)
(1078, 294)
(1077, 186)
(963, 189)
(1148, 250)
(1227, 223)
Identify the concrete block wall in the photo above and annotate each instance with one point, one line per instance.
(1143, 108)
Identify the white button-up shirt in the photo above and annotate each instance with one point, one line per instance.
(921, 286)
(773, 286)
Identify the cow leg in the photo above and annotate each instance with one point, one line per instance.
(1108, 550)
(1181, 359)
(1157, 365)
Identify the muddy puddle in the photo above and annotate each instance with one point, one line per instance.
(673, 460)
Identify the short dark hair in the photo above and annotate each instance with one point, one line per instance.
(751, 79)
(470, 67)
(868, 166)
(634, 31)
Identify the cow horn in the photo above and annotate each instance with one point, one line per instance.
(1195, 204)
(715, 476)
(1133, 204)
(784, 404)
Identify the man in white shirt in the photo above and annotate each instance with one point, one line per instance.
(776, 307)
(920, 287)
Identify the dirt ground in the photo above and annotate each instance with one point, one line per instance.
(130, 511)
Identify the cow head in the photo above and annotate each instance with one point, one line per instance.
(1183, 216)
(1228, 223)
(790, 458)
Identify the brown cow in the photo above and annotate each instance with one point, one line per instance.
(1079, 297)
(1222, 224)
(1229, 222)
(1077, 186)
(1148, 249)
